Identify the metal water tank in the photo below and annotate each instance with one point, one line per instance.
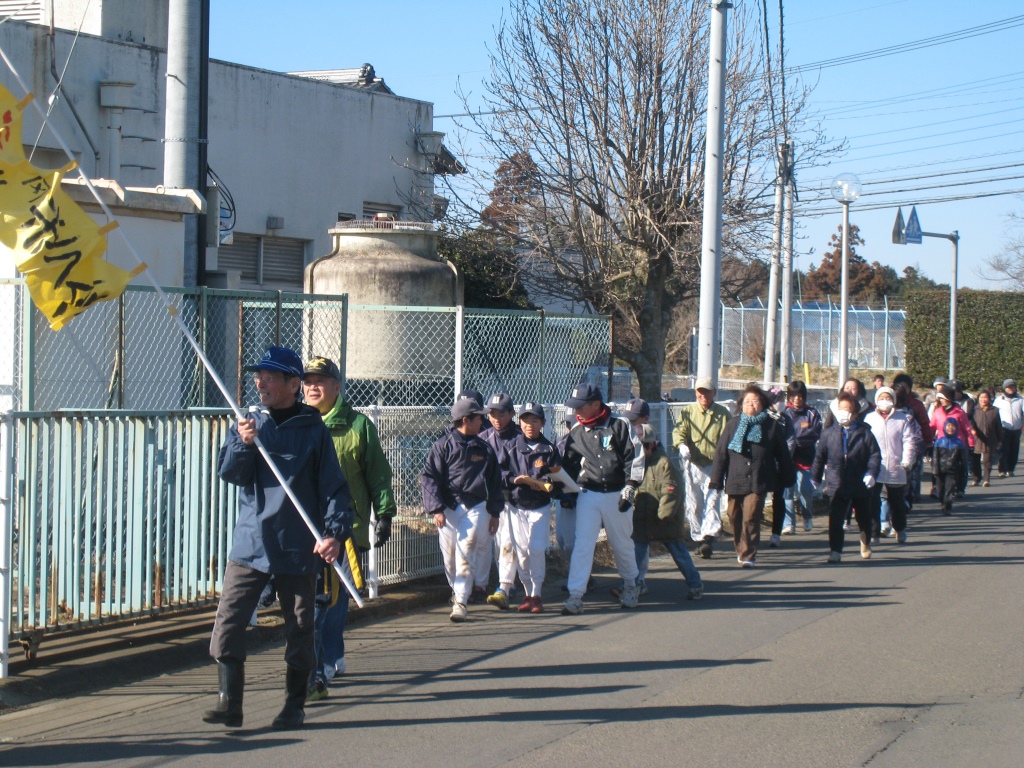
(394, 356)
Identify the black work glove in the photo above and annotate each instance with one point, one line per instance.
(382, 531)
(626, 498)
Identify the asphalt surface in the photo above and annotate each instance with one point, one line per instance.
(912, 658)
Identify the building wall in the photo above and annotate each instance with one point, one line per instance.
(285, 146)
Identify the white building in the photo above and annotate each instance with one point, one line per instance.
(294, 152)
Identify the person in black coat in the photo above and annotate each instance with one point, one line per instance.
(751, 460)
(849, 452)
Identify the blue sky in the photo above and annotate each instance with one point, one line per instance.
(955, 106)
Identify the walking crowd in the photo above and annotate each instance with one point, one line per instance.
(491, 479)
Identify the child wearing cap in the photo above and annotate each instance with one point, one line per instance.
(658, 514)
(947, 461)
(461, 487)
(502, 433)
(525, 462)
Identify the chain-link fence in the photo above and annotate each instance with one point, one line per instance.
(533, 355)
(130, 353)
(876, 336)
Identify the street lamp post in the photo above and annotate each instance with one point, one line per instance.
(846, 189)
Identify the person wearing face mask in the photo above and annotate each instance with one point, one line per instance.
(850, 453)
(894, 430)
(853, 387)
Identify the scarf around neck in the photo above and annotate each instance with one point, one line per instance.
(749, 430)
(598, 419)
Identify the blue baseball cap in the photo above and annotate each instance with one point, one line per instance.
(582, 394)
(471, 394)
(636, 409)
(279, 359)
(534, 409)
(500, 402)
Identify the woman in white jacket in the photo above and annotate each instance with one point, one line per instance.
(899, 440)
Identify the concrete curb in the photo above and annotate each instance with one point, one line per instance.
(86, 660)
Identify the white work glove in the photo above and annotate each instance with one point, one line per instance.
(869, 481)
(907, 465)
(713, 499)
(684, 452)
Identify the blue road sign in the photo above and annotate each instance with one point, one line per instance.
(898, 229)
(912, 234)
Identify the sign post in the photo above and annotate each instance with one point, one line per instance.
(911, 233)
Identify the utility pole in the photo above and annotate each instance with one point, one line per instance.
(184, 112)
(785, 345)
(711, 241)
(773, 274)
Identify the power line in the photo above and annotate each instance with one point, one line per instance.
(914, 45)
(831, 210)
(929, 164)
(937, 146)
(938, 122)
(932, 176)
(941, 91)
(948, 185)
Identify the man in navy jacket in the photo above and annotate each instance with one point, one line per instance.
(270, 537)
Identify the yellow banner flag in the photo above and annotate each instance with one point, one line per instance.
(21, 185)
(11, 148)
(58, 249)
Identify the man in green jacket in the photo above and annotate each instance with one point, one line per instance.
(369, 480)
(696, 438)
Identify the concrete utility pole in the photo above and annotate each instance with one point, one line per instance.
(773, 273)
(785, 345)
(183, 111)
(711, 242)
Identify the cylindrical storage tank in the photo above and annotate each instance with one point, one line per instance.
(398, 356)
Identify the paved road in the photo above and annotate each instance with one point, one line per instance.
(914, 658)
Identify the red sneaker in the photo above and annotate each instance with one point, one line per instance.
(527, 605)
(538, 605)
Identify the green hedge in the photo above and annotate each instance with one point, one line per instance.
(988, 339)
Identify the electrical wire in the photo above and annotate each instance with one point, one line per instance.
(938, 122)
(914, 45)
(830, 210)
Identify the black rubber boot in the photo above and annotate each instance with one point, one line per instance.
(291, 716)
(229, 700)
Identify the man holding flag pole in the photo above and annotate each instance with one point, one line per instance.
(59, 250)
(270, 538)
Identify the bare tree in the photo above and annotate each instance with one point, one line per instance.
(595, 114)
(1008, 264)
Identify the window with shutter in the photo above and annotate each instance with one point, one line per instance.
(283, 261)
(243, 255)
(16, 9)
(266, 263)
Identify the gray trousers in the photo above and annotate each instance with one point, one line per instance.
(238, 600)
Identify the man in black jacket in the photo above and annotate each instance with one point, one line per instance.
(461, 487)
(605, 458)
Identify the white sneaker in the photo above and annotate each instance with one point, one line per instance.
(746, 563)
(887, 530)
(774, 541)
(789, 530)
(901, 537)
(808, 524)
(630, 598)
(891, 533)
(573, 606)
(865, 550)
(458, 612)
(835, 557)
(641, 586)
(846, 526)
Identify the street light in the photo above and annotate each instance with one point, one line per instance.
(846, 189)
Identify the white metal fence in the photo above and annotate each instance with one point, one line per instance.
(877, 337)
(112, 507)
